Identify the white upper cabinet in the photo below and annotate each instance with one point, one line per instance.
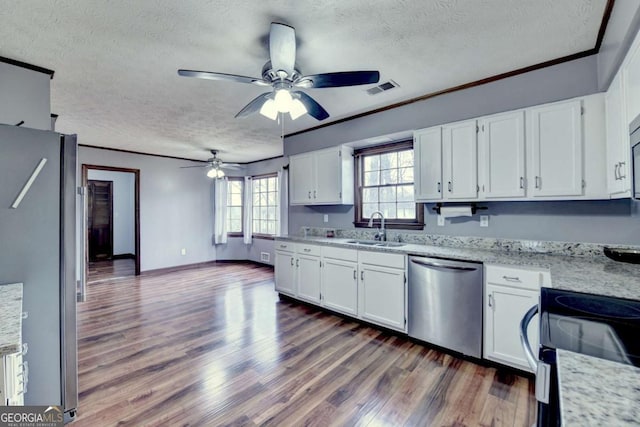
(323, 177)
(631, 76)
(618, 150)
(460, 160)
(501, 156)
(555, 137)
(427, 152)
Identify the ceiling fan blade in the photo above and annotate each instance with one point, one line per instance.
(282, 47)
(221, 76)
(340, 79)
(199, 166)
(254, 105)
(231, 166)
(314, 109)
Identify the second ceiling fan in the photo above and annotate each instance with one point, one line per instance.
(281, 73)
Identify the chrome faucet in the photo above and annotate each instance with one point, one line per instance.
(381, 235)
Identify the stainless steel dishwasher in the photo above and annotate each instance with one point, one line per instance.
(445, 303)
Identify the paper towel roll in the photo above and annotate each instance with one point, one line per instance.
(455, 211)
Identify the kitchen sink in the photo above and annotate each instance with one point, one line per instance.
(376, 243)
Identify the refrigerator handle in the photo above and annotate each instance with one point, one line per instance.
(524, 338)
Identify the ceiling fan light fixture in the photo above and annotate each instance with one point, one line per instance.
(215, 173)
(269, 109)
(297, 109)
(283, 100)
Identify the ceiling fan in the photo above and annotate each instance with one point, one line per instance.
(215, 166)
(281, 73)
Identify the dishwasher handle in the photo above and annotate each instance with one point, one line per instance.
(442, 266)
(524, 337)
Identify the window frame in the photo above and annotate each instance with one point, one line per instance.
(359, 221)
(278, 198)
(241, 180)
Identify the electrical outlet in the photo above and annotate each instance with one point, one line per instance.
(484, 220)
(265, 256)
(183, 251)
(440, 221)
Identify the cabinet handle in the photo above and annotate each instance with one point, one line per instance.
(439, 187)
(291, 261)
(522, 182)
(615, 171)
(538, 182)
(620, 170)
(309, 194)
(307, 250)
(511, 278)
(297, 262)
(450, 186)
(314, 194)
(362, 275)
(490, 300)
(355, 275)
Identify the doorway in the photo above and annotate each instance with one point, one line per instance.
(111, 222)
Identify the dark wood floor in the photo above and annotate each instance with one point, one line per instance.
(110, 269)
(215, 346)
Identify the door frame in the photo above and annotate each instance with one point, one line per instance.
(136, 185)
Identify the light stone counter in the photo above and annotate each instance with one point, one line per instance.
(10, 318)
(595, 274)
(597, 392)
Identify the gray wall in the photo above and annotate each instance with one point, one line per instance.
(124, 241)
(235, 249)
(623, 25)
(562, 81)
(24, 95)
(175, 207)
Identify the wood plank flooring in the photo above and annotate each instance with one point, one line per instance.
(110, 269)
(215, 346)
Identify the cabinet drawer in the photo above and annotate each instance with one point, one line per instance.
(308, 249)
(382, 259)
(340, 254)
(518, 277)
(285, 246)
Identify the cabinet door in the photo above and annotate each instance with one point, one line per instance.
(556, 141)
(460, 160)
(301, 179)
(328, 166)
(383, 296)
(427, 149)
(285, 272)
(631, 75)
(340, 286)
(618, 182)
(308, 278)
(505, 309)
(501, 157)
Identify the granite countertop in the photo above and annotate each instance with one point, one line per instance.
(10, 318)
(597, 392)
(595, 274)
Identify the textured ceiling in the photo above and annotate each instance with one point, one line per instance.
(115, 62)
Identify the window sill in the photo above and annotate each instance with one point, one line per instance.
(391, 225)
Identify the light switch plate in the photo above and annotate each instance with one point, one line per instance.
(440, 221)
(326, 218)
(484, 220)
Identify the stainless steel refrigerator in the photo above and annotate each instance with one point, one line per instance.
(37, 235)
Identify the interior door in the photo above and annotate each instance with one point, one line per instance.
(100, 221)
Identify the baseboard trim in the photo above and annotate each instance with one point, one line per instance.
(197, 265)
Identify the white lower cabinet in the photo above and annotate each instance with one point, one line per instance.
(371, 286)
(509, 293)
(285, 268)
(13, 379)
(383, 289)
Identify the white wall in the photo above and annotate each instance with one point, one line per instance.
(175, 207)
(124, 241)
(24, 95)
